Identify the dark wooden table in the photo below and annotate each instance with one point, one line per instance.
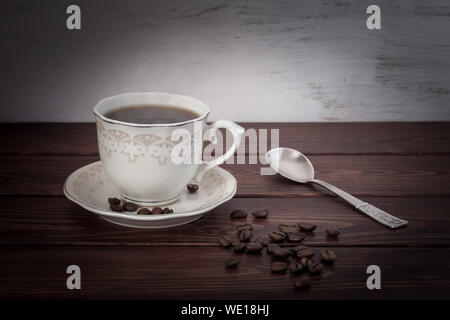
(401, 167)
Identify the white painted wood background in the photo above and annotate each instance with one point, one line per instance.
(250, 60)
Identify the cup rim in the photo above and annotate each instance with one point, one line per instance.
(98, 114)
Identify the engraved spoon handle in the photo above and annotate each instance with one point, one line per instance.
(373, 212)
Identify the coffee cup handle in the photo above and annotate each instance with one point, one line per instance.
(210, 135)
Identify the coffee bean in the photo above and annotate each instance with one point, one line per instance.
(157, 210)
(245, 235)
(316, 268)
(302, 284)
(281, 253)
(328, 256)
(297, 268)
(235, 214)
(144, 211)
(231, 262)
(272, 246)
(238, 247)
(295, 236)
(288, 227)
(245, 226)
(165, 211)
(277, 236)
(192, 188)
(306, 262)
(116, 207)
(332, 232)
(298, 248)
(307, 253)
(170, 211)
(253, 247)
(263, 240)
(279, 267)
(129, 206)
(114, 201)
(224, 241)
(260, 214)
(307, 227)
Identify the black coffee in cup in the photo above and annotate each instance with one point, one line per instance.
(151, 114)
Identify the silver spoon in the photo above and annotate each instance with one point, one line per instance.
(295, 166)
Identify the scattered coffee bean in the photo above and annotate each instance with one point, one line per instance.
(277, 236)
(306, 262)
(298, 248)
(116, 207)
(239, 247)
(263, 240)
(332, 232)
(307, 227)
(144, 211)
(245, 235)
(157, 210)
(297, 268)
(281, 253)
(328, 256)
(260, 214)
(231, 262)
(271, 247)
(306, 253)
(253, 247)
(295, 236)
(225, 241)
(279, 267)
(302, 284)
(115, 201)
(245, 226)
(316, 268)
(192, 188)
(235, 214)
(129, 206)
(288, 227)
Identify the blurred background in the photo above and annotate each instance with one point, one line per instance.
(249, 60)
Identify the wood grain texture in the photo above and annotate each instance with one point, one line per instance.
(310, 138)
(199, 273)
(287, 60)
(387, 176)
(56, 221)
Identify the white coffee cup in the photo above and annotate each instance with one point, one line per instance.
(138, 158)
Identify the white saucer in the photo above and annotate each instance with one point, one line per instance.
(90, 188)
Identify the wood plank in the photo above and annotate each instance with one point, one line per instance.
(386, 176)
(199, 273)
(310, 138)
(57, 221)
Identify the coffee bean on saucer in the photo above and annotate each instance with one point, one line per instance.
(165, 210)
(115, 201)
(316, 268)
(253, 247)
(239, 247)
(277, 236)
(297, 268)
(245, 226)
(328, 256)
(157, 210)
(129, 206)
(235, 214)
(295, 236)
(298, 248)
(281, 253)
(302, 284)
(231, 262)
(225, 241)
(170, 211)
(288, 227)
(307, 253)
(144, 211)
(307, 227)
(192, 188)
(271, 247)
(116, 207)
(332, 232)
(279, 267)
(260, 214)
(245, 235)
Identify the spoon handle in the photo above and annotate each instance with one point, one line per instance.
(373, 212)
